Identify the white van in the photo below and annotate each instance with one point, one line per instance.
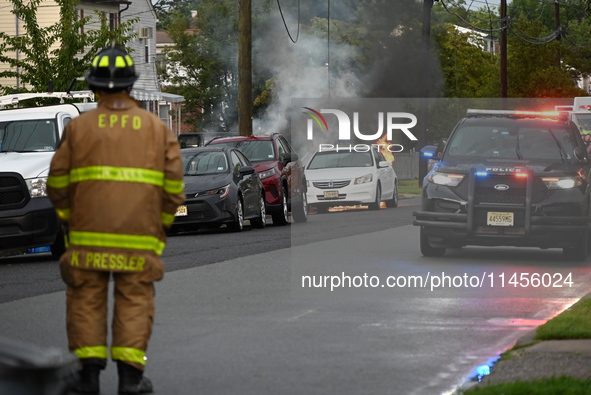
(28, 140)
(581, 114)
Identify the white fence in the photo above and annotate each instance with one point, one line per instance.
(406, 165)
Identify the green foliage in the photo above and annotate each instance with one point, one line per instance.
(548, 386)
(538, 74)
(458, 54)
(573, 323)
(169, 10)
(575, 48)
(206, 57)
(38, 63)
(409, 187)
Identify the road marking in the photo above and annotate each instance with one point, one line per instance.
(297, 317)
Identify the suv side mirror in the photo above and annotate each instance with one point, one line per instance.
(430, 152)
(579, 154)
(245, 170)
(290, 157)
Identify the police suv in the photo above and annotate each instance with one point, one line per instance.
(508, 178)
(29, 137)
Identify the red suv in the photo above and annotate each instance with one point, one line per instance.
(281, 172)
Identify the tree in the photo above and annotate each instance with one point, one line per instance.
(39, 62)
(203, 62)
(458, 55)
(169, 10)
(532, 70)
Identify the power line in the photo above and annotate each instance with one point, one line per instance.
(285, 23)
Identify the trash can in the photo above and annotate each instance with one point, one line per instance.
(26, 369)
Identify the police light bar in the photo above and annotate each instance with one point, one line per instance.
(514, 113)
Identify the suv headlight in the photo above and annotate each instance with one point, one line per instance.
(37, 187)
(448, 179)
(363, 179)
(561, 182)
(266, 173)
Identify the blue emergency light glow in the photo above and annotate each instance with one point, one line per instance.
(481, 173)
(428, 154)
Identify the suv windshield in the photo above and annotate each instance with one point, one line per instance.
(584, 122)
(254, 150)
(331, 159)
(515, 139)
(27, 136)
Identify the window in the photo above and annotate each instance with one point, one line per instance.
(332, 159)
(236, 164)
(113, 21)
(205, 163)
(26, 136)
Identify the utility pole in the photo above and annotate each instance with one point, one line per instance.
(426, 75)
(244, 68)
(503, 48)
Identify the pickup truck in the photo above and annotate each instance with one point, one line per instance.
(29, 137)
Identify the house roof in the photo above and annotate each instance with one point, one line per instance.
(147, 95)
(162, 37)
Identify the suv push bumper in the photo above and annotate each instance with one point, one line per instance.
(35, 225)
(535, 228)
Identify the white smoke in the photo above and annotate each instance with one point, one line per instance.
(304, 69)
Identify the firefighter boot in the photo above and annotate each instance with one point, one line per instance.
(132, 380)
(88, 381)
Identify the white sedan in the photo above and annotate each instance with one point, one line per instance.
(345, 178)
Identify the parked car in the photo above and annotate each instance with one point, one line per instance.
(222, 187)
(345, 178)
(280, 170)
(508, 178)
(199, 139)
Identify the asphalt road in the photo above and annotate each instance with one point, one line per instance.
(246, 324)
(37, 274)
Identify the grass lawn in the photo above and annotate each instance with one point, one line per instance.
(573, 323)
(409, 186)
(549, 386)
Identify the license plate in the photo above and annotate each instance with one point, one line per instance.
(181, 211)
(331, 194)
(499, 219)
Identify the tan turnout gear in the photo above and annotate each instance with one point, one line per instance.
(116, 181)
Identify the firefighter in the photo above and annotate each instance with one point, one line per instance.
(115, 181)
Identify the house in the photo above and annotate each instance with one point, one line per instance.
(143, 47)
(485, 41)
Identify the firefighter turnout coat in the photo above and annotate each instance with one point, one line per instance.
(116, 181)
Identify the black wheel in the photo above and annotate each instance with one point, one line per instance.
(376, 205)
(579, 252)
(300, 212)
(59, 245)
(394, 201)
(259, 222)
(281, 218)
(426, 248)
(238, 224)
